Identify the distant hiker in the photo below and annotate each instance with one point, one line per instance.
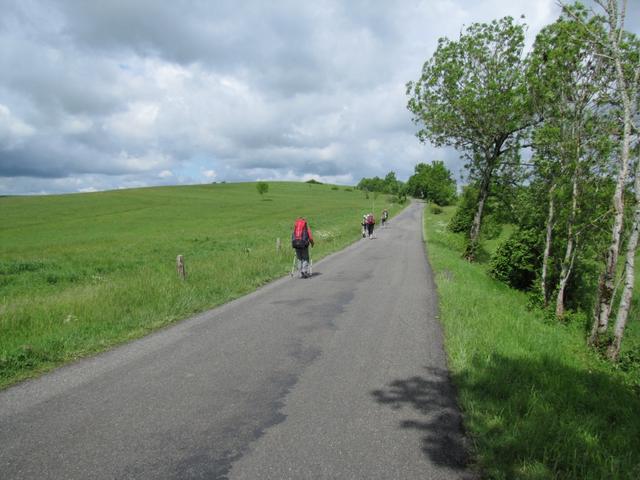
(370, 223)
(385, 216)
(363, 224)
(301, 238)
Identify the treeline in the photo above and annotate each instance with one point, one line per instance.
(550, 139)
(431, 182)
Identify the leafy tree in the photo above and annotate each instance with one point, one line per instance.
(262, 188)
(472, 96)
(566, 81)
(432, 182)
(388, 184)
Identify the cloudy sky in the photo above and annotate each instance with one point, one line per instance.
(97, 95)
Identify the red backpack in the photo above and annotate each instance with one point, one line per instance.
(370, 219)
(300, 235)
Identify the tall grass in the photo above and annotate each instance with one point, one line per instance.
(80, 273)
(537, 403)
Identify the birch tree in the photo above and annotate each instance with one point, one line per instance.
(611, 48)
(564, 78)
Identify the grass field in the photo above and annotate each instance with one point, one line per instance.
(80, 273)
(537, 403)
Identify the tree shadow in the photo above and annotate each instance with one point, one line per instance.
(530, 418)
(431, 399)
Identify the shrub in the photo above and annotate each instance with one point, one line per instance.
(517, 259)
(463, 218)
(435, 209)
(334, 188)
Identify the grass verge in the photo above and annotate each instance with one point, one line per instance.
(80, 273)
(537, 403)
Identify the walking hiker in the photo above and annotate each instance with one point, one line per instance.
(363, 224)
(385, 216)
(370, 223)
(301, 238)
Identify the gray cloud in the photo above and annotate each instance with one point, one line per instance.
(98, 95)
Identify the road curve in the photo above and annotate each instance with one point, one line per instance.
(340, 376)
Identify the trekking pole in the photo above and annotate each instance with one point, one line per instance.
(293, 267)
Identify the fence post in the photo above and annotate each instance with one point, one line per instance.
(182, 273)
(278, 245)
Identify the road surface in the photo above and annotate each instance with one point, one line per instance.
(340, 376)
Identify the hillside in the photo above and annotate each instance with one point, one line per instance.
(82, 272)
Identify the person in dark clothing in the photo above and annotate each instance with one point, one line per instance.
(385, 216)
(370, 223)
(301, 238)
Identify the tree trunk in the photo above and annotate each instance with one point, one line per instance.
(607, 280)
(625, 301)
(547, 246)
(569, 254)
(629, 278)
(474, 235)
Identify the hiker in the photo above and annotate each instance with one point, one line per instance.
(370, 223)
(363, 224)
(301, 238)
(385, 216)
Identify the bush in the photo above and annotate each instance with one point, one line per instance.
(348, 189)
(517, 259)
(490, 228)
(463, 218)
(334, 188)
(435, 209)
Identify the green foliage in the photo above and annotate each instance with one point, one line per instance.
(313, 182)
(536, 403)
(80, 273)
(517, 260)
(463, 218)
(388, 184)
(262, 188)
(435, 209)
(335, 188)
(433, 183)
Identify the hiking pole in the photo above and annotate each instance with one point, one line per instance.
(293, 267)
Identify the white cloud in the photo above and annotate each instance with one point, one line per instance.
(13, 131)
(120, 94)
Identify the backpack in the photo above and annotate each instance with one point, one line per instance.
(370, 219)
(300, 235)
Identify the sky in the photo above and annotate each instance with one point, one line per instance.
(100, 95)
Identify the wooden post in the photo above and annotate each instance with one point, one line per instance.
(278, 245)
(182, 273)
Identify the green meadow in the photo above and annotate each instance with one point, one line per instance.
(537, 403)
(80, 273)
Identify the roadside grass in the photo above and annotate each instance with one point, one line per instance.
(81, 273)
(537, 403)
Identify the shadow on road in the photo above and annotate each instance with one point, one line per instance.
(430, 400)
(532, 418)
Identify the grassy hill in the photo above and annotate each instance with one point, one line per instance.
(538, 403)
(82, 272)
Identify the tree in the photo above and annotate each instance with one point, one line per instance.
(619, 51)
(472, 96)
(566, 79)
(432, 182)
(262, 188)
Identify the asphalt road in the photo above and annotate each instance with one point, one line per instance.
(340, 376)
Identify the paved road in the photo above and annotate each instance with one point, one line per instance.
(341, 376)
